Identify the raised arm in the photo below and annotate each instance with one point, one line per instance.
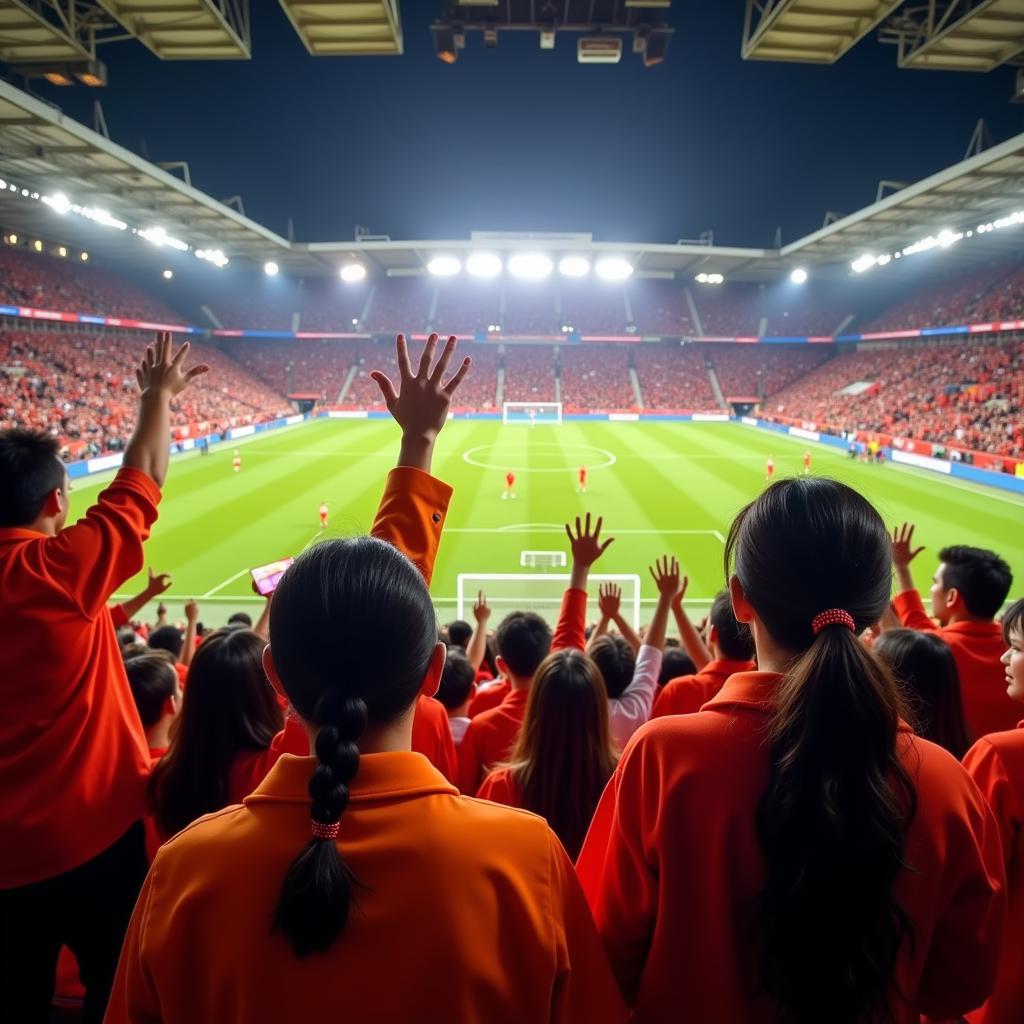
(609, 598)
(188, 646)
(665, 573)
(688, 635)
(907, 605)
(477, 649)
(158, 583)
(587, 548)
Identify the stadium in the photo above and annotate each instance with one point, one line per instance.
(658, 393)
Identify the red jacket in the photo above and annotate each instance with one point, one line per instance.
(432, 736)
(672, 865)
(976, 647)
(686, 695)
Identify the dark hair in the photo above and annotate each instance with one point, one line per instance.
(675, 663)
(456, 681)
(459, 633)
(616, 661)
(229, 708)
(1013, 619)
(523, 640)
(167, 638)
(833, 820)
(352, 632)
(982, 578)
(925, 668)
(127, 637)
(734, 637)
(240, 618)
(30, 469)
(564, 755)
(153, 681)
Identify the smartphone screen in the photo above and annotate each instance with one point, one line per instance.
(266, 577)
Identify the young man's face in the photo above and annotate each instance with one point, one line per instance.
(940, 595)
(1013, 660)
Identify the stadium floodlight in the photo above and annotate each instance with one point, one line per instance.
(483, 264)
(947, 238)
(884, 259)
(58, 202)
(13, 238)
(159, 237)
(352, 273)
(447, 42)
(493, 328)
(214, 256)
(37, 245)
(799, 276)
(168, 274)
(103, 217)
(862, 263)
(530, 266)
(444, 266)
(270, 268)
(613, 268)
(84, 257)
(62, 251)
(574, 266)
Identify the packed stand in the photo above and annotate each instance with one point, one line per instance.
(660, 309)
(729, 310)
(326, 304)
(761, 370)
(529, 373)
(593, 307)
(81, 388)
(466, 310)
(267, 799)
(596, 376)
(398, 304)
(530, 310)
(673, 376)
(310, 367)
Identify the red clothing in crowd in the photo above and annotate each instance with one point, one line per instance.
(488, 697)
(686, 695)
(500, 787)
(432, 736)
(976, 647)
(73, 754)
(672, 865)
(996, 763)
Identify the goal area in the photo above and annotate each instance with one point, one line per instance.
(540, 593)
(531, 413)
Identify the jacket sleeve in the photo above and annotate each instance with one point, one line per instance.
(571, 630)
(986, 767)
(134, 999)
(620, 883)
(469, 763)
(411, 514)
(909, 609)
(584, 988)
(94, 556)
(633, 707)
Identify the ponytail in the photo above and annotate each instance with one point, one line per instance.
(318, 890)
(833, 820)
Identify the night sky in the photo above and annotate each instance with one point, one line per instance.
(516, 139)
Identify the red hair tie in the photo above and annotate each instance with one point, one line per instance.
(322, 831)
(833, 617)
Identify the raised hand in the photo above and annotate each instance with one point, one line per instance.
(665, 573)
(481, 610)
(903, 551)
(158, 583)
(191, 611)
(421, 402)
(609, 600)
(586, 546)
(164, 371)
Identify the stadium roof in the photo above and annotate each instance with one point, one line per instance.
(187, 29)
(346, 27)
(44, 151)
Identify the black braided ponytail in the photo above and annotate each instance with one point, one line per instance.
(352, 631)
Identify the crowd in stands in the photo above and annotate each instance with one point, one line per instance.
(674, 377)
(761, 370)
(805, 808)
(80, 387)
(529, 373)
(596, 377)
(968, 394)
(311, 367)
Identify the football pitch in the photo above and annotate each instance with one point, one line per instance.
(669, 487)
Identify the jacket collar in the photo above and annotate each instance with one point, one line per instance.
(968, 627)
(380, 776)
(725, 667)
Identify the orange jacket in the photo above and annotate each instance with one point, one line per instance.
(471, 913)
(73, 754)
(996, 763)
(976, 647)
(672, 865)
(686, 695)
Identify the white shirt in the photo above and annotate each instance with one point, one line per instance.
(629, 711)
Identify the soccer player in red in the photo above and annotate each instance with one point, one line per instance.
(323, 515)
(583, 480)
(807, 463)
(236, 461)
(769, 469)
(510, 485)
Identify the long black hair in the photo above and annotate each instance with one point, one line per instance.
(229, 708)
(833, 820)
(352, 633)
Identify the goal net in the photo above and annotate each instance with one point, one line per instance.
(541, 593)
(531, 413)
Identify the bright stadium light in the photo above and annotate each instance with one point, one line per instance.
(530, 266)
(270, 268)
(62, 251)
(574, 266)
(37, 245)
(352, 272)
(58, 202)
(168, 274)
(483, 264)
(444, 266)
(799, 276)
(214, 256)
(84, 257)
(701, 278)
(862, 263)
(613, 268)
(13, 239)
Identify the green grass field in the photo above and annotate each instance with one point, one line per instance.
(661, 487)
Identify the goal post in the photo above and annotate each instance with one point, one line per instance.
(531, 413)
(540, 593)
